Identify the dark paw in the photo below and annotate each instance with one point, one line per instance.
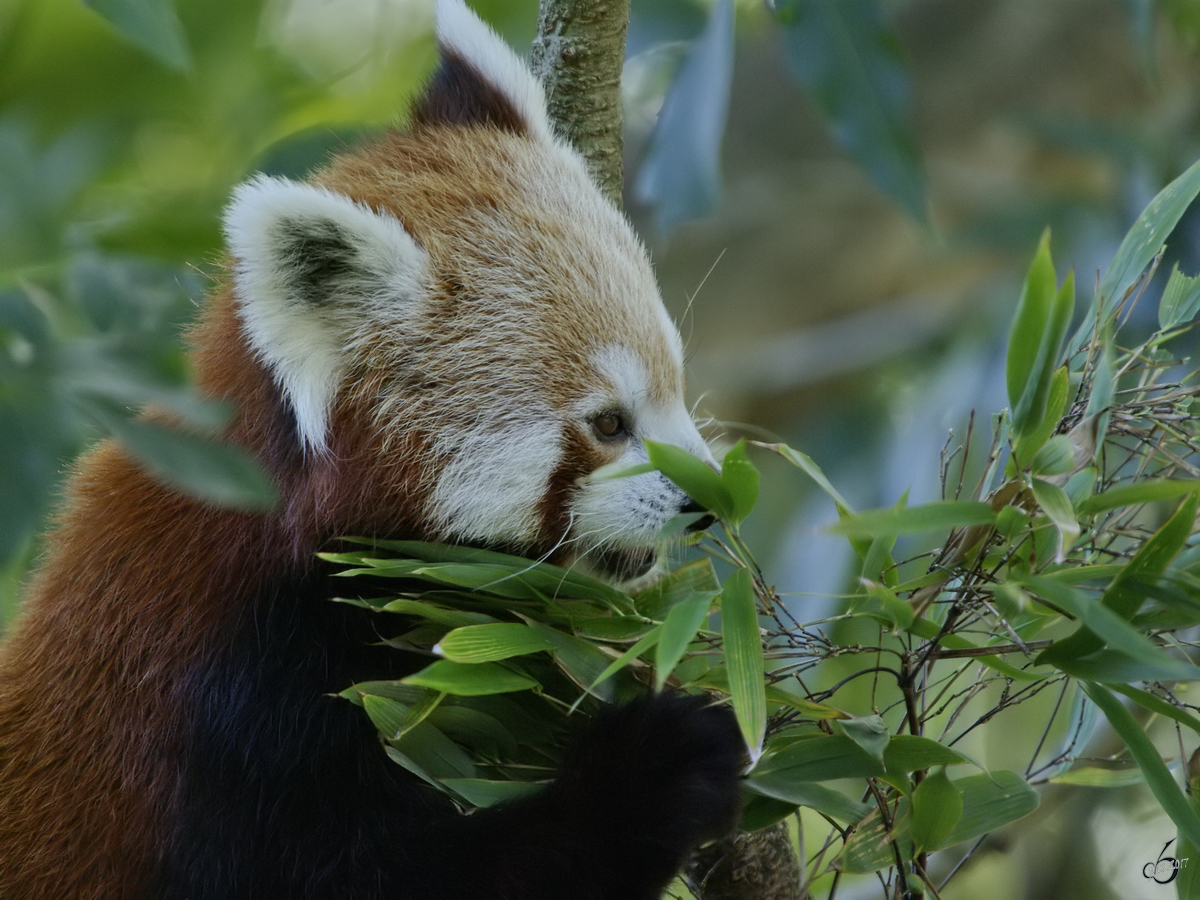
(663, 769)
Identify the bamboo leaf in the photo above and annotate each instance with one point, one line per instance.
(679, 630)
(490, 642)
(937, 516)
(1141, 244)
(656, 601)
(467, 680)
(744, 658)
(697, 478)
(1125, 595)
(1180, 300)
(812, 470)
(151, 24)
(1028, 444)
(195, 465)
(1158, 776)
(807, 793)
(1035, 341)
(1057, 507)
(911, 753)
(740, 478)
(821, 757)
(482, 793)
(989, 801)
(937, 805)
(1147, 491)
(869, 732)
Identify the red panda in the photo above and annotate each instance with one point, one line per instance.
(440, 336)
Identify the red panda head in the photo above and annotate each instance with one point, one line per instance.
(464, 329)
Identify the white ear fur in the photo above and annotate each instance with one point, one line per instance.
(464, 34)
(312, 268)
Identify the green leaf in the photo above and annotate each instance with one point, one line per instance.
(1188, 884)
(821, 757)
(937, 805)
(212, 471)
(487, 643)
(1057, 456)
(642, 645)
(697, 478)
(744, 658)
(1028, 444)
(1125, 595)
(1180, 299)
(1141, 244)
(679, 630)
(1147, 491)
(1096, 776)
(1105, 625)
(740, 479)
(151, 24)
(435, 753)
(1157, 704)
(681, 174)
(759, 812)
(1035, 341)
(582, 661)
(911, 753)
(884, 606)
(1057, 506)
(937, 516)
(656, 601)
(387, 715)
(442, 615)
(853, 67)
(869, 732)
(989, 801)
(779, 786)
(1158, 776)
(482, 793)
(467, 680)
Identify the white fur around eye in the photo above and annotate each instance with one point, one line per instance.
(301, 337)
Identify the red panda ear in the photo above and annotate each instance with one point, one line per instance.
(312, 271)
(480, 81)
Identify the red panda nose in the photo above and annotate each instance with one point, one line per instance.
(703, 522)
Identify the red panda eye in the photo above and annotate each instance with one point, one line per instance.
(609, 425)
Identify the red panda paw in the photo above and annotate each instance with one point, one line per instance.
(659, 774)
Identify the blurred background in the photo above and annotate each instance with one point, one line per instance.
(840, 206)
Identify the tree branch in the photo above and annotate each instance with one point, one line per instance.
(578, 55)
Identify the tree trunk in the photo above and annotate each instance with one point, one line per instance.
(578, 55)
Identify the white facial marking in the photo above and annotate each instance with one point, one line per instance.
(494, 482)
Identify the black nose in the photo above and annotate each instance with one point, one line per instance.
(703, 522)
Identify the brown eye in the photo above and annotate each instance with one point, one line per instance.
(609, 425)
